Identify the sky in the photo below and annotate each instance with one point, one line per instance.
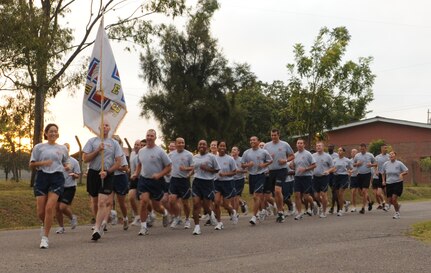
(397, 34)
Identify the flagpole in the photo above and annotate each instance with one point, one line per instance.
(102, 100)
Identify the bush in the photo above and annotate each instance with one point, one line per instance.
(425, 164)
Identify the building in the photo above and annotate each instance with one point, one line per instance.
(411, 141)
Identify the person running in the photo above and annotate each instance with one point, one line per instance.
(381, 159)
(153, 165)
(179, 188)
(256, 161)
(239, 180)
(303, 164)
(281, 153)
(50, 159)
(287, 187)
(224, 185)
(393, 178)
(205, 168)
(334, 201)
(66, 198)
(324, 164)
(133, 159)
(341, 169)
(100, 181)
(354, 185)
(364, 161)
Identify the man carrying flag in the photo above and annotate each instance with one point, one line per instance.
(103, 101)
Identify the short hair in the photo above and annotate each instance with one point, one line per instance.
(47, 129)
(275, 130)
(363, 145)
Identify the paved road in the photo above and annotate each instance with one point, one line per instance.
(373, 242)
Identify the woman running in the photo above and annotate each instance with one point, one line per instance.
(342, 166)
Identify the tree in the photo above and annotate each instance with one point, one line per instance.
(40, 49)
(324, 92)
(188, 79)
(375, 146)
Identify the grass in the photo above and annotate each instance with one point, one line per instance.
(422, 231)
(18, 204)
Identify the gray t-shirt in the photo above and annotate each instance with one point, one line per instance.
(342, 165)
(381, 159)
(185, 158)
(303, 160)
(323, 163)
(123, 163)
(226, 164)
(365, 159)
(354, 169)
(74, 168)
(153, 160)
(279, 150)
(210, 161)
(133, 159)
(289, 177)
(112, 150)
(393, 171)
(238, 167)
(258, 156)
(45, 151)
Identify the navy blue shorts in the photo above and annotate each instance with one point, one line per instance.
(121, 184)
(239, 186)
(133, 184)
(331, 180)
(153, 187)
(94, 183)
(394, 189)
(67, 196)
(354, 182)
(303, 184)
(180, 187)
(287, 189)
(275, 178)
(48, 182)
(341, 181)
(225, 188)
(203, 188)
(320, 183)
(364, 180)
(256, 182)
(376, 183)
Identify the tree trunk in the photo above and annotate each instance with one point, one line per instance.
(38, 123)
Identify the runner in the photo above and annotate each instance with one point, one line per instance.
(50, 159)
(334, 201)
(133, 159)
(364, 161)
(281, 153)
(100, 184)
(393, 177)
(341, 169)
(381, 159)
(179, 189)
(205, 167)
(239, 180)
(354, 185)
(65, 200)
(153, 165)
(224, 185)
(256, 161)
(324, 164)
(303, 164)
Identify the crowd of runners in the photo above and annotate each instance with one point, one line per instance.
(282, 182)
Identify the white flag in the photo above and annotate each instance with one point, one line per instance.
(103, 73)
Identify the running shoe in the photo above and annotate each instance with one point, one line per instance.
(151, 218)
(370, 205)
(125, 223)
(315, 208)
(331, 210)
(136, 221)
(280, 217)
(353, 210)
(362, 211)
(73, 222)
(235, 217)
(309, 212)
(143, 231)
(44, 242)
(60, 230)
(96, 235)
(103, 228)
(396, 215)
(346, 206)
(339, 213)
(299, 216)
(114, 218)
(322, 215)
(253, 220)
(244, 208)
(219, 226)
(174, 223)
(187, 224)
(165, 220)
(197, 230)
(262, 215)
(379, 207)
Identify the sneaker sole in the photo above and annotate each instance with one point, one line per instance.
(96, 236)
